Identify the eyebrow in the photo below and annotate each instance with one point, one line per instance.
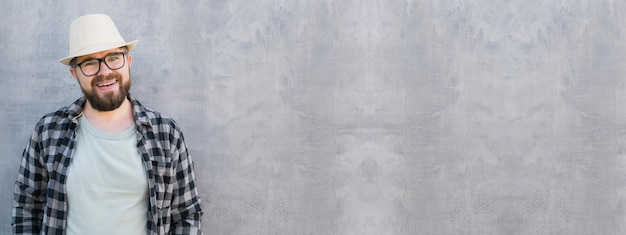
(91, 57)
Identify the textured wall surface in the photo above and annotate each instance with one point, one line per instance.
(361, 116)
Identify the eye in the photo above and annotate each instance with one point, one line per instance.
(114, 57)
(89, 63)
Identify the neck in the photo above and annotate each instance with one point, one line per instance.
(116, 120)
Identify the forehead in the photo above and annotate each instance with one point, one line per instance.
(97, 54)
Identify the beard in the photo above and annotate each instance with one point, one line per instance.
(109, 101)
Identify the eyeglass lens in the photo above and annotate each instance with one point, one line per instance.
(92, 66)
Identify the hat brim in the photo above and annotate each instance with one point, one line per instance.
(98, 48)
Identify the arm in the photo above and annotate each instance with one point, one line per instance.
(30, 191)
(186, 209)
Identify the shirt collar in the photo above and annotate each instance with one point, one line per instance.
(75, 111)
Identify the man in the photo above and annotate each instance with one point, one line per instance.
(105, 164)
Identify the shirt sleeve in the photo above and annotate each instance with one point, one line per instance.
(186, 209)
(30, 190)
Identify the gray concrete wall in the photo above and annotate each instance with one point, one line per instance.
(361, 116)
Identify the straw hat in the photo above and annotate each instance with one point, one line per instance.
(94, 33)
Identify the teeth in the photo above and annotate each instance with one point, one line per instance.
(107, 84)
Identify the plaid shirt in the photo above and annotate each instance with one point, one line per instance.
(40, 196)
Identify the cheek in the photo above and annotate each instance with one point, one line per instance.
(84, 82)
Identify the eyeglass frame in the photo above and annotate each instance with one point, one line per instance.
(100, 60)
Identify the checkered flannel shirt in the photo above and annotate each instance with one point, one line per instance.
(40, 205)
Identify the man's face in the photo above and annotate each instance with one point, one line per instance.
(107, 89)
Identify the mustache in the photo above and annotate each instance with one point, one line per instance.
(101, 78)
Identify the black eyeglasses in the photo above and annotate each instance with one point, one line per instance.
(113, 61)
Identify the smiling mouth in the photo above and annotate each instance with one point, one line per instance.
(110, 83)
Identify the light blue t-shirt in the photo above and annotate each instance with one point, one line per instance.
(107, 185)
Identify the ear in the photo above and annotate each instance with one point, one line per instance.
(73, 72)
(130, 59)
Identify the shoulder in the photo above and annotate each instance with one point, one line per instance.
(157, 121)
(61, 118)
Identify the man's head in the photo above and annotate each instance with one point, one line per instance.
(99, 61)
(104, 77)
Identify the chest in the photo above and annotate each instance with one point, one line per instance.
(108, 161)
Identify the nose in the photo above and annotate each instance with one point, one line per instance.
(104, 69)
